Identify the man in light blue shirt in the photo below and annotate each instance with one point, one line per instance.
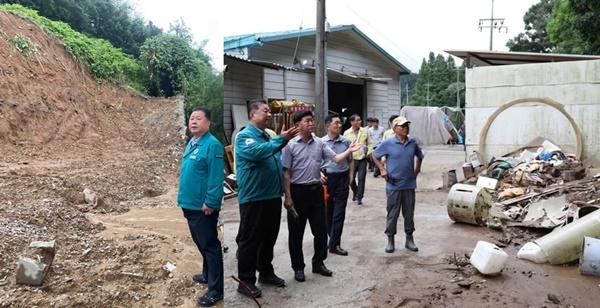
(302, 160)
(400, 173)
(338, 183)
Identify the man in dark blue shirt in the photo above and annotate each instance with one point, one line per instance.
(400, 173)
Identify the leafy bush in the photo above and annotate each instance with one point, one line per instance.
(175, 68)
(23, 45)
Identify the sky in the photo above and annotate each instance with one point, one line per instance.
(407, 29)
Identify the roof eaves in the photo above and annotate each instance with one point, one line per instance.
(385, 53)
(267, 64)
(241, 41)
(250, 40)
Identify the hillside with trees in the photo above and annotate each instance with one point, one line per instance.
(119, 46)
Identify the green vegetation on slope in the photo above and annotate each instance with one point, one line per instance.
(104, 60)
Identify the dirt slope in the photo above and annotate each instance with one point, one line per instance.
(62, 132)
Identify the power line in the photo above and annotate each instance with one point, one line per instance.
(295, 59)
(380, 33)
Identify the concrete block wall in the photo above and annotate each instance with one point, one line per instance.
(576, 85)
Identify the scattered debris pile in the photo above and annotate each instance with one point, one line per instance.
(541, 189)
(519, 181)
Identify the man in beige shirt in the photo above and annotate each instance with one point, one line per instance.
(360, 135)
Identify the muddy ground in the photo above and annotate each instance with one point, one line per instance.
(369, 277)
(62, 132)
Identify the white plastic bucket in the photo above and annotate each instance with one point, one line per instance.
(488, 258)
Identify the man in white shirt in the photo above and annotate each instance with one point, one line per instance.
(376, 134)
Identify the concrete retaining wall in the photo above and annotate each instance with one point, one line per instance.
(575, 85)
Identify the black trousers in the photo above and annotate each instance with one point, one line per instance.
(204, 233)
(309, 203)
(358, 184)
(257, 234)
(337, 184)
(400, 201)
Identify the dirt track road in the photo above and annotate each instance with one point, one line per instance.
(369, 277)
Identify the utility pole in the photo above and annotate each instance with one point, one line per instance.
(494, 23)
(427, 91)
(321, 104)
(407, 103)
(457, 89)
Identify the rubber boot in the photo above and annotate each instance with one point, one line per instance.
(410, 243)
(390, 245)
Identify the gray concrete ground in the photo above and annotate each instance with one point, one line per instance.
(369, 277)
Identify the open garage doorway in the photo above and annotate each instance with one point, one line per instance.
(347, 99)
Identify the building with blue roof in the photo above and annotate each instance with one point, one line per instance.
(362, 77)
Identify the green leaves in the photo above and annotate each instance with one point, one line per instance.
(23, 45)
(562, 26)
(436, 83)
(575, 26)
(105, 61)
(175, 68)
(112, 20)
(535, 38)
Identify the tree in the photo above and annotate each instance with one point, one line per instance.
(436, 82)
(407, 86)
(575, 26)
(180, 29)
(535, 38)
(112, 20)
(176, 68)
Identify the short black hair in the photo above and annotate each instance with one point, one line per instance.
(353, 117)
(203, 109)
(298, 115)
(376, 120)
(329, 118)
(393, 117)
(254, 105)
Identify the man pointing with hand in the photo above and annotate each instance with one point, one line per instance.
(260, 187)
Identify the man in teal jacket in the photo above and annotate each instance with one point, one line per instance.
(200, 196)
(260, 187)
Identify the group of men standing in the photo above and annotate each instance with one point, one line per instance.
(299, 166)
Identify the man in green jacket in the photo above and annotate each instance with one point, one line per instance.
(200, 196)
(260, 187)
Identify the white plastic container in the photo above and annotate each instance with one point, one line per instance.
(589, 263)
(488, 258)
(469, 204)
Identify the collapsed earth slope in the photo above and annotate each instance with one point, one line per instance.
(60, 133)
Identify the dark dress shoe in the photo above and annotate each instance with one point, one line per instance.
(321, 269)
(199, 278)
(251, 290)
(209, 299)
(359, 202)
(354, 198)
(299, 276)
(271, 279)
(338, 251)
